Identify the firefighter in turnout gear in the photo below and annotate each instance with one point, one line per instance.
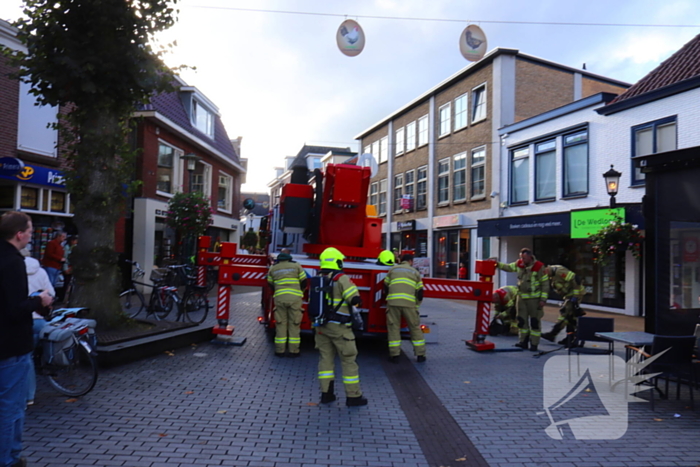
(504, 316)
(336, 336)
(570, 287)
(533, 289)
(404, 294)
(288, 281)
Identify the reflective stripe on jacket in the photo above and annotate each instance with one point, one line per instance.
(286, 278)
(509, 299)
(403, 282)
(343, 290)
(533, 281)
(564, 282)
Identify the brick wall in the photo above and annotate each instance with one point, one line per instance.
(590, 86)
(540, 88)
(9, 106)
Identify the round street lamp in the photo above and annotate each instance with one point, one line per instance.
(612, 183)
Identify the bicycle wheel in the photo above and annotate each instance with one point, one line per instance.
(196, 306)
(78, 378)
(132, 302)
(162, 302)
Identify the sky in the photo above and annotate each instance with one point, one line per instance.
(280, 81)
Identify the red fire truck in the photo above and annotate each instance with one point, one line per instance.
(331, 210)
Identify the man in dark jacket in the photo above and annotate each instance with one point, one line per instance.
(16, 335)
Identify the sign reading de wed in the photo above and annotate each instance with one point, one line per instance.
(586, 223)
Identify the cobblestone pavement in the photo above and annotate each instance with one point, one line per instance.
(211, 405)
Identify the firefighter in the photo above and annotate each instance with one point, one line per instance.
(336, 336)
(385, 258)
(404, 294)
(504, 316)
(570, 287)
(288, 281)
(533, 289)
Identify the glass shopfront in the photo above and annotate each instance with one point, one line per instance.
(451, 250)
(685, 265)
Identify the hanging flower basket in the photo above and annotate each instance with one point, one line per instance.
(189, 213)
(616, 237)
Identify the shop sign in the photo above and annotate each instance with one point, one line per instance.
(10, 165)
(161, 213)
(586, 223)
(38, 176)
(408, 225)
(447, 221)
(546, 224)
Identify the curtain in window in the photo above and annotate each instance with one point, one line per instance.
(521, 175)
(575, 169)
(546, 175)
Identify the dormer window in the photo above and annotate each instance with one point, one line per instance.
(202, 119)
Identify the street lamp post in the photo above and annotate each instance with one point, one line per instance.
(612, 183)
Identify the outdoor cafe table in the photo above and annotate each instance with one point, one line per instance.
(632, 338)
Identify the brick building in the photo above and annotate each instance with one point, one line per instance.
(438, 154)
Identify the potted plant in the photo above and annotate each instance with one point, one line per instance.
(616, 237)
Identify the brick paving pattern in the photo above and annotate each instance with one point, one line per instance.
(240, 406)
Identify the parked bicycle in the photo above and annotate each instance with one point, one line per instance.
(66, 353)
(163, 296)
(194, 304)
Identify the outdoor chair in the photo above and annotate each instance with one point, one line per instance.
(676, 362)
(585, 333)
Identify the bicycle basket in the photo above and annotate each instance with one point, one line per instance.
(160, 275)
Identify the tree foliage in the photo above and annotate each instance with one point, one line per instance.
(189, 213)
(93, 59)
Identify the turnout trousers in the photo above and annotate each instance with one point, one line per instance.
(287, 321)
(530, 319)
(332, 338)
(393, 329)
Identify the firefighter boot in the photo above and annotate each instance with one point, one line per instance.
(355, 401)
(551, 335)
(523, 344)
(328, 397)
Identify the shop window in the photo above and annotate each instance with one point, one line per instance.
(411, 136)
(398, 192)
(576, 164)
(545, 170)
(400, 134)
(422, 188)
(461, 112)
(382, 197)
(445, 122)
(29, 198)
(7, 197)
(652, 138)
(478, 186)
(58, 201)
(443, 181)
(685, 264)
(423, 130)
(519, 176)
(459, 177)
(479, 103)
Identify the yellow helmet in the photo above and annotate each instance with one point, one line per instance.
(331, 258)
(386, 258)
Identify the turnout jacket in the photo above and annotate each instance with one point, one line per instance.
(16, 336)
(287, 280)
(508, 299)
(404, 285)
(565, 283)
(343, 290)
(533, 281)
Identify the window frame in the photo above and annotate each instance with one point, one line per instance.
(411, 136)
(423, 131)
(176, 181)
(381, 204)
(477, 106)
(472, 180)
(462, 156)
(400, 144)
(443, 174)
(383, 149)
(511, 188)
(375, 150)
(227, 208)
(422, 194)
(398, 192)
(207, 126)
(538, 153)
(445, 119)
(374, 195)
(565, 145)
(411, 185)
(462, 114)
(654, 125)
